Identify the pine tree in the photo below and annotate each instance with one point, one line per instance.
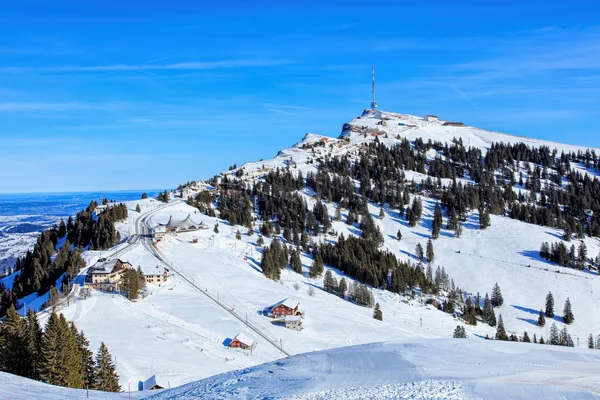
(216, 228)
(568, 317)
(458, 231)
(554, 338)
(342, 288)
(399, 235)
(381, 213)
(260, 241)
(295, 261)
(328, 282)
(549, 305)
(419, 252)
(50, 369)
(500, 332)
(459, 332)
(430, 254)
(105, 375)
(317, 266)
(526, 338)
(377, 314)
(33, 339)
(436, 225)
(497, 299)
(541, 340)
(87, 358)
(13, 345)
(591, 341)
(138, 209)
(541, 319)
(535, 338)
(238, 235)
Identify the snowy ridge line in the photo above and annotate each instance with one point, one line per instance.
(158, 254)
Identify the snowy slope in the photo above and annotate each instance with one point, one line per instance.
(427, 369)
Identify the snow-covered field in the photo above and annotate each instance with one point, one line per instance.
(425, 369)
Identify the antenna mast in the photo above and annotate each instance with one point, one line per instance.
(373, 102)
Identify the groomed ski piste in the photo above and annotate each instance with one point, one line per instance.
(179, 332)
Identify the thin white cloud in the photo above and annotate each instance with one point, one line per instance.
(194, 65)
(281, 112)
(288, 106)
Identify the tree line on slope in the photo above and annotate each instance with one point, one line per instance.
(39, 269)
(58, 355)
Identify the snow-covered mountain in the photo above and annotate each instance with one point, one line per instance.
(179, 331)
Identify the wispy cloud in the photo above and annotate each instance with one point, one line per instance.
(287, 106)
(194, 65)
(282, 112)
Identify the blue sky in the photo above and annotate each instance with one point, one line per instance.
(152, 94)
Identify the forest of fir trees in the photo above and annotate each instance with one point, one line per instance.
(58, 355)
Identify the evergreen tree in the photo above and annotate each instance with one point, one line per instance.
(419, 252)
(381, 213)
(238, 235)
(87, 358)
(105, 375)
(534, 338)
(541, 340)
(554, 338)
(216, 228)
(526, 338)
(458, 231)
(399, 235)
(484, 218)
(50, 369)
(430, 254)
(500, 332)
(342, 288)
(541, 319)
(549, 305)
(591, 341)
(317, 266)
(497, 299)
(144, 196)
(568, 313)
(138, 209)
(436, 225)
(260, 241)
(459, 332)
(328, 282)
(13, 345)
(295, 261)
(377, 314)
(33, 339)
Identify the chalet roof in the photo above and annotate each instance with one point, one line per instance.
(108, 266)
(245, 340)
(148, 270)
(150, 383)
(159, 229)
(293, 318)
(289, 303)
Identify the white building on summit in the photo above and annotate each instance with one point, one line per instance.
(187, 224)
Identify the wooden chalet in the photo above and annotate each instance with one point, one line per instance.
(284, 307)
(150, 384)
(241, 341)
(450, 123)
